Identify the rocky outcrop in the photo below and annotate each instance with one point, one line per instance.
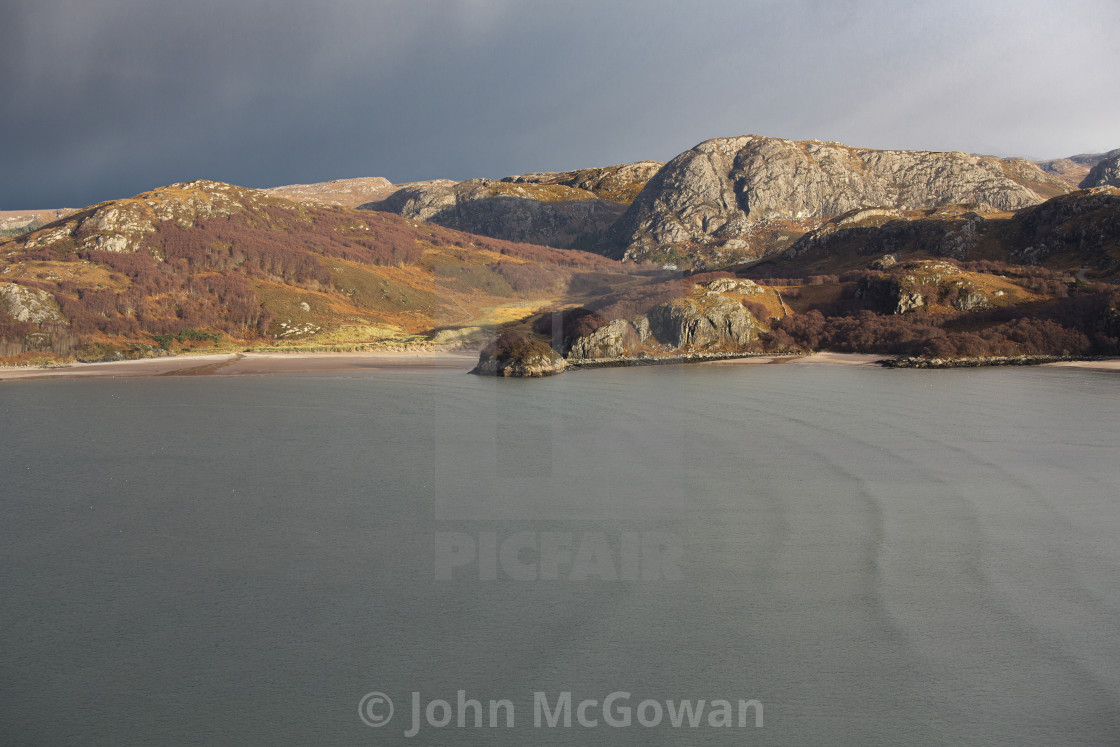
(121, 225)
(1085, 224)
(687, 323)
(734, 285)
(34, 305)
(717, 200)
(711, 318)
(970, 299)
(901, 289)
(537, 213)
(344, 192)
(620, 183)
(515, 355)
(1106, 173)
(885, 295)
(612, 340)
(981, 361)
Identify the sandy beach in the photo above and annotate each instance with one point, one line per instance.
(244, 364)
(1112, 364)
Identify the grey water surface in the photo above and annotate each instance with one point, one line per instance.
(876, 557)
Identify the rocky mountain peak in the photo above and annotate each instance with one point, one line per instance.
(733, 197)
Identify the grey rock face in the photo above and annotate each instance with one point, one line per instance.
(613, 340)
(1106, 173)
(551, 214)
(971, 300)
(719, 195)
(684, 322)
(909, 301)
(33, 305)
(734, 285)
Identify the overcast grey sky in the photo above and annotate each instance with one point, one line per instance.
(107, 98)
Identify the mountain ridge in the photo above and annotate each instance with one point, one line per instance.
(783, 246)
(749, 196)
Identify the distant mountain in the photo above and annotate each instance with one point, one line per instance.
(15, 222)
(1074, 169)
(1105, 172)
(747, 197)
(342, 192)
(571, 209)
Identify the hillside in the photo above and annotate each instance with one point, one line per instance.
(1073, 169)
(926, 308)
(747, 197)
(1105, 173)
(784, 246)
(1080, 229)
(202, 264)
(571, 209)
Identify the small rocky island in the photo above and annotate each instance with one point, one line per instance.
(514, 354)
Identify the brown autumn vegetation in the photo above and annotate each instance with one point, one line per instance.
(234, 274)
(1084, 322)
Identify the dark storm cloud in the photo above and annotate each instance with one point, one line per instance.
(106, 98)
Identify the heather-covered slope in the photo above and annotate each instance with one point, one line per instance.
(190, 265)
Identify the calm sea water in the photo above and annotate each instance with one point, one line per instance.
(877, 557)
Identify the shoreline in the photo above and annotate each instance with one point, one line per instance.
(260, 364)
(246, 364)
